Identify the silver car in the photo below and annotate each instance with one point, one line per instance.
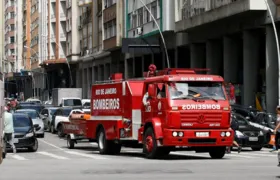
(36, 119)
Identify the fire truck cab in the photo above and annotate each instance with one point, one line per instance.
(174, 107)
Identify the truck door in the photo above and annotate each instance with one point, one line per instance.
(160, 100)
(148, 102)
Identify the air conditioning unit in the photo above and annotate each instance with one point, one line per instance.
(139, 30)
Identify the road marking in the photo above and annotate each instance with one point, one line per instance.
(85, 155)
(255, 154)
(93, 144)
(188, 154)
(51, 145)
(17, 157)
(52, 155)
(238, 155)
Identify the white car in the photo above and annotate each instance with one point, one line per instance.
(62, 115)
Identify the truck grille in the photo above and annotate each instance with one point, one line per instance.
(202, 141)
(194, 118)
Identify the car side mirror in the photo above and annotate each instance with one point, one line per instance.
(248, 118)
(151, 90)
(37, 128)
(46, 115)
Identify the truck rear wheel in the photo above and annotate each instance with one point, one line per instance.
(106, 146)
(150, 147)
(217, 152)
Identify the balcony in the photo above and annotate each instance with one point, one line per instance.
(62, 17)
(62, 37)
(199, 12)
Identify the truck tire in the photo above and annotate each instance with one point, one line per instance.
(217, 152)
(150, 147)
(103, 144)
(70, 143)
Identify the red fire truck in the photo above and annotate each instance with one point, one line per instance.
(161, 111)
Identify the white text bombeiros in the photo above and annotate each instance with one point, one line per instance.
(200, 106)
(106, 104)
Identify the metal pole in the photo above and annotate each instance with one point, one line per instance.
(277, 46)
(163, 41)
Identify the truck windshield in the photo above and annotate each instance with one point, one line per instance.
(196, 90)
(72, 102)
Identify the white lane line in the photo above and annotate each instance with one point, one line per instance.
(51, 145)
(241, 156)
(85, 155)
(255, 154)
(52, 155)
(188, 154)
(17, 157)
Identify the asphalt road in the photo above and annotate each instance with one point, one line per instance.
(53, 161)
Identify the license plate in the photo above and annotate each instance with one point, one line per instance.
(253, 138)
(202, 134)
(15, 140)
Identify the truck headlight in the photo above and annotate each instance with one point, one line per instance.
(223, 134)
(174, 134)
(228, 134)
(31, 134)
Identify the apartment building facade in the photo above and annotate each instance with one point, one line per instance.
(101, 33)
(235, 39)
(12, 56)
(2, 33)
(145, 20)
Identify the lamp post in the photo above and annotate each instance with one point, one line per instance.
(68, 65)
(34, 91)
(277, 43)
(161, 35)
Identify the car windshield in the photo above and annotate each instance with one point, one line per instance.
(87, 104)
(32, 114)
(21, 121)
(196, 90)
(72, 102)
(66, 112)
(37, 108)
(241, 120)
(52, 111)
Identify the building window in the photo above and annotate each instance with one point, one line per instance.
(147, 16)
(12, 27)
(108, 3)
(12, 39)
(134, 21)
(110, 29)
(12, 14)
(140, 16)
(154, 9)
(12, 51)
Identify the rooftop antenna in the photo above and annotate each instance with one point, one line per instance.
(163, 41)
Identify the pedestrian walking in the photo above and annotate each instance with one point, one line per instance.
(234, 126)
(277, 132)
(9, 128)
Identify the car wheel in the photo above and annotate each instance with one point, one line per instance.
(217, 152)
(60, 131)
(34, 148)
(52, 129)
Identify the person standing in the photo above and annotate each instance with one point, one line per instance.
(9, 128)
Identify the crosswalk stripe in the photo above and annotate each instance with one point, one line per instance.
(188, 154)
(238, 155)
(52, 155)
(86, 155)
(17, 157)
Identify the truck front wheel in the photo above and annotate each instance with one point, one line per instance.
(150, 147)
(217, 152)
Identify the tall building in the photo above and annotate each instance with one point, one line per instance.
(2, 32)
(56, 67)
(35, 45)
(13, 46)
(100, 44)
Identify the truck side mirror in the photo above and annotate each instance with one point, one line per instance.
(151, 90)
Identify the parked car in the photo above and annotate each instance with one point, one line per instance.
(62, 115)
(24, 132)
(248, 135)
(36, 119)
(46, 115)
(37, 107)
(245, 111)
